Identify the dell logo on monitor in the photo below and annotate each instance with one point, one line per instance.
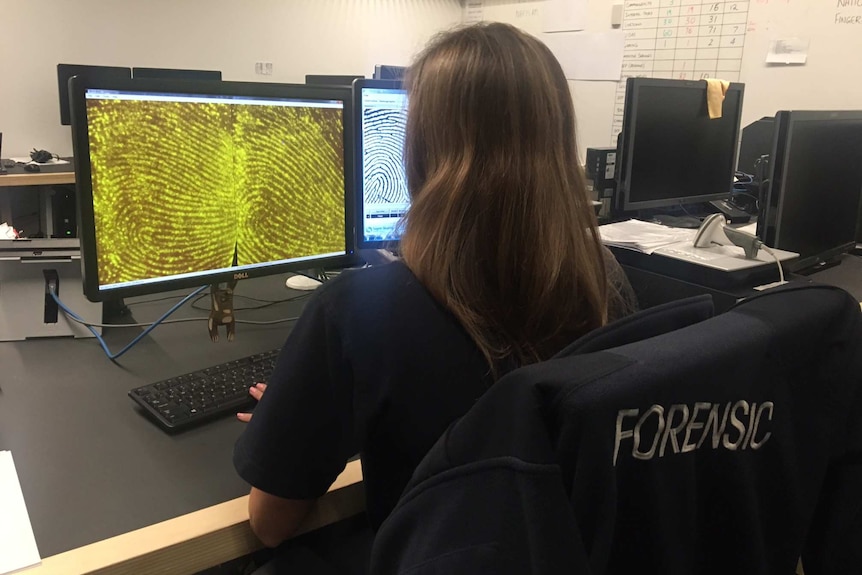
(240, 276)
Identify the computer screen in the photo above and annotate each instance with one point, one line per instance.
(381, 183)
(188, 183)
(66, 71)
(811, 202)
(672, 153)
(176, 74)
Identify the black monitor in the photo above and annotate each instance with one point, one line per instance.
(388, 72)
(811, 201)
(185, 183)
(331, 79)
(381, 184)
(755, 143)
(176, 74)
(671, 152)
(96, 73)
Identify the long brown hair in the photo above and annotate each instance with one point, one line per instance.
(500, 230)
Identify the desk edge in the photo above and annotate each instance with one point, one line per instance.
(198, 540)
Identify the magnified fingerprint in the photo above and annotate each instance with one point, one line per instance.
(383, 156)
(181, 187)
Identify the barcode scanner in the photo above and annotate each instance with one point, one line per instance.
(714, 231)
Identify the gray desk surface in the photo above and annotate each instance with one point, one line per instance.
(91, 465)
(847, 275)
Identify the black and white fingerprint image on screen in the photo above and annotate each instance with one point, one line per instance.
(385, 198)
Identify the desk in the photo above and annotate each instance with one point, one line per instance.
(97, 475)
(50, 175)
(653, 288)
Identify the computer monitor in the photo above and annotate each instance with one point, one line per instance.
(755, 143)
(811, 201)
(176, 74)
(183, 183)
(388, 72)
(96, 73)
(381, 184)
(331, 79)
(671, 152)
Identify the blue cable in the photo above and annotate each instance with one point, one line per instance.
(114, 356)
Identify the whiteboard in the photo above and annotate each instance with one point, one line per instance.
(828, 79)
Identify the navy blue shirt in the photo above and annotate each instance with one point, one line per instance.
(374, 366)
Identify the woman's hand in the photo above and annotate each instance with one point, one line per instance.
(256, 391)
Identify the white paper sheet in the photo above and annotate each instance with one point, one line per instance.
(588, 55)
(642, 236)
(788, 51)
(474, 11)
(17, 544)
(564, 15)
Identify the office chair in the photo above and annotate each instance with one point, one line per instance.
(722, 445)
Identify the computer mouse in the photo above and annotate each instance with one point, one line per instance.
(32, 168)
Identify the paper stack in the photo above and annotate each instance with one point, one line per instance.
(644, 237)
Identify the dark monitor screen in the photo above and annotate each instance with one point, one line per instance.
(184, 183)
(812, 200)
(381, 183)
(175, 74)
(66, 71)
(672, 152)
(331, 80)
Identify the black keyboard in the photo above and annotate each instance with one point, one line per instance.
(193, 398)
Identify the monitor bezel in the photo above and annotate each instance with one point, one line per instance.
(358, 85)
(175, 74)
(83, 178)
(625, 146)
(769, 221)
(65, 72)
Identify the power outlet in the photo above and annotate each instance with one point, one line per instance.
(263, 68)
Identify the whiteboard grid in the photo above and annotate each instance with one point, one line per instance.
(682, 40)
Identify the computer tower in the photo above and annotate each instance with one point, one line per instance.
(64, 212)
(601, 169)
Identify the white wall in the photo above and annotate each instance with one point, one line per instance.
(829, 80)
(298, 36)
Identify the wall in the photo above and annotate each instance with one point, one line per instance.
(298, 36)
(350, 36)
(829, 79)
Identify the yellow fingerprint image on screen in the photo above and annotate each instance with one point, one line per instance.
(181, 187)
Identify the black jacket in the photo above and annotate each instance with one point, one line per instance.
(728, 445)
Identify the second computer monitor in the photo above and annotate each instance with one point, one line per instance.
(381, 183)
(813, 193)
(175, 74)
(93, 73)
(672, 152)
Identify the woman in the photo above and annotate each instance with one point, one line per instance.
(501, 267)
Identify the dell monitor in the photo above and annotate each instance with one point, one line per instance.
(94, 73)
(381, 183)
(811, 201)
(671, 152)
(183, 183)
(176, 74)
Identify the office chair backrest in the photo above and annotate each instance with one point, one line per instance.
(732, 445)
